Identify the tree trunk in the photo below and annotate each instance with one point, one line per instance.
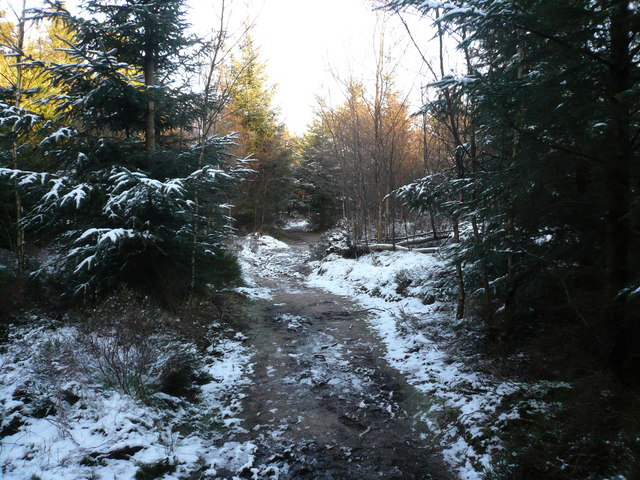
(377, 135)
(617, 179)
(460, 173)
(459, 274)
(511, 293)
(433, 225)
(391, 201)
(20, 254)
(207, 123)
(150, 115)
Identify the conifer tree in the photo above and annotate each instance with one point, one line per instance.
(316, 175)
(118, 218)
(149, 35)
(551, 87)
(267, 190)
(549, 207)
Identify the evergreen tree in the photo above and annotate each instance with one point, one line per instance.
(119, 219)
(551, 89)
(548, 208)
(150, 36)
(316, 175)
(267, 190)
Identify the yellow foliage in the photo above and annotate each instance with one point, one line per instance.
(43, 46)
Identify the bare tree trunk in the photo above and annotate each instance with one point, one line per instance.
(488, 299)
(425, 144)
(391, 200)
(264, 203)
(434, 230)
(475, 167)
(459, 273)
(208, 119)
(459, 160)
(510, 210)
(425, 162)
(377, 131)
(617, 179)
(362, 217)
(20, 238)
(377, 153)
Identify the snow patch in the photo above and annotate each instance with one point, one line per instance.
(262, 256)
(300, 224)
(58, 425)
(408, 314)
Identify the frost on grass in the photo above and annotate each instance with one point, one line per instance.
(67, 412)
(407, 294)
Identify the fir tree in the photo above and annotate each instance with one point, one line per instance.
(117, 219)
(267, 190)
(316, 179)
(552, 181)
(548, 208)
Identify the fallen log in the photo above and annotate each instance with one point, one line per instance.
(424, 236)
(415, 241)
(383, 247)
(426, 250)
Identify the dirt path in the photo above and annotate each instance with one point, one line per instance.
(323, 403)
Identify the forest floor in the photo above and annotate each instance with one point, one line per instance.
(362, 371)
(329, 368)
(323, 403)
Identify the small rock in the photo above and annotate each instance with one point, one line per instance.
(12, 427)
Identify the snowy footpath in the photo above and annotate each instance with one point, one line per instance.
(352, 378)
(323, 403)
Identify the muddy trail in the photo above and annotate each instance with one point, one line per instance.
(323, 404)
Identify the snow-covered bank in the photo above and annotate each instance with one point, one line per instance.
(61, 420)
(409, 311)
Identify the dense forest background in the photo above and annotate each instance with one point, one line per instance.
(130, 151)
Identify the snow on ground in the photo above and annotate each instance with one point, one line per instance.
(263, 256)
(59, 422)
(252, 252)
(409, 308)
(298, 223)
(409, 314)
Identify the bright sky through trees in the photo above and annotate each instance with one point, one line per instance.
(306, 44)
